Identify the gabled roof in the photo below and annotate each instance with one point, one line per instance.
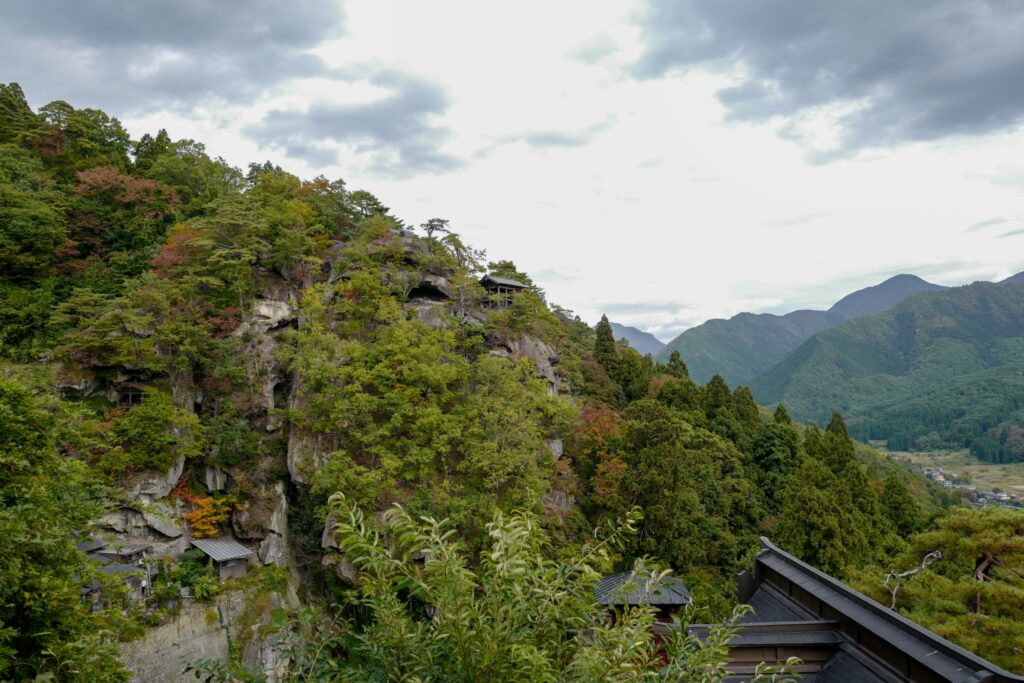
(503, 281)
(876, 643)
(91, 545)
(222, 549)
(626, 588)
(123, 550)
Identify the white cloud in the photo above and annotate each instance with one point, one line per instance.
(641, 196)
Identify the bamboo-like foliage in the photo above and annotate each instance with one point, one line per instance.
(515, 616)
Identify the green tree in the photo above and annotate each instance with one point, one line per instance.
(517, 616)
(49, 501)
(676, 367)
(31, 216)
(818, 524)
(898, 505)
(974, 594)
(605, 351)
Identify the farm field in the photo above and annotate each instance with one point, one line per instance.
(986, 476)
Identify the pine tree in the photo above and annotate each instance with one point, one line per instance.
(605, 352)
(782, 415)
(837, 425)
(902, 510)
(676, 367)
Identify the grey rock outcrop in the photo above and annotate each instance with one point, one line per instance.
(556, 448)
(164, 520)
(557, 503)
(543, 357)
(274, 311)
(202, 631)
(274, 547)
(215, 478)
(148, 487)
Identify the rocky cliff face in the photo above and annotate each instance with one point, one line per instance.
(208, 631)
(272, 483)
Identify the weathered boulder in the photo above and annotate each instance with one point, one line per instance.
(556, 448)
(327, 540)
(431, 313)
(342, 568)
(163, 519)
(543, 357)
(216, 479)
(433, 286)
(125, 521)
(306, 452)
(148, 487)
(557, 504)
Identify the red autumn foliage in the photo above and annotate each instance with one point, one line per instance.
(182, 492)
(176, 252)
(152, 199)
(226, 321)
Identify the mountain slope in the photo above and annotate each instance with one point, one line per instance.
(644, 342)
(746, 345)
(881, 297)
(1019, 277)
(941, 368)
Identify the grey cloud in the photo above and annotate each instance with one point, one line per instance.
(916, 70)
(396, 131)
(554, 138)
(144, 55)
(558, 138)
(594, 49)
(981, 225)
(1013, 233)
(644, 307)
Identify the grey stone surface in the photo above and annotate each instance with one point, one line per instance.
(216, 479)
(202, 631)
(274, 547)
(543, 357)
(149, 487)
(164, 520)
(556, 448)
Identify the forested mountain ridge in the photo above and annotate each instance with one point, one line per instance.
(939, 369)
(644, 342)
(749, 344)
(189, 349)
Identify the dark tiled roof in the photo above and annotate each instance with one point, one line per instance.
(846, 667)
(770, 605)
(627, 589)
(907, 646)
(503, 281)
(222, 549)
(90, 545)
(125, 550)
(115, 568)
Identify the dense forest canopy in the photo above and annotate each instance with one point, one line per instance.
(162, 311)
(940, 370)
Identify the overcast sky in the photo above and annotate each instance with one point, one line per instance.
(663, 161)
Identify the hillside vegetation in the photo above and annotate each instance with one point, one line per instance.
(189, 348)
(747, 345)
(940, 369)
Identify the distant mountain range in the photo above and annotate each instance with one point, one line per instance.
(644, 342)
(748, 344)
(939, 369)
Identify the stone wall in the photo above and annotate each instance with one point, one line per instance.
(202, 630)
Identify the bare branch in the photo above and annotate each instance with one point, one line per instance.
(898, 577)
